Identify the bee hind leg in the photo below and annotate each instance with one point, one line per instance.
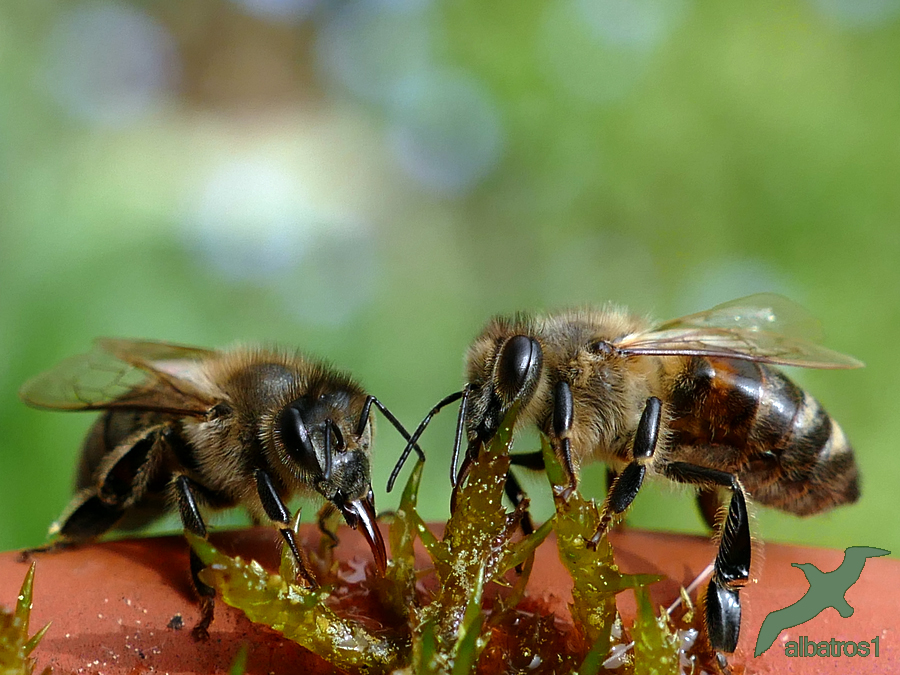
(710, 503)
(121, 481)
(86, 518)
(732, 564)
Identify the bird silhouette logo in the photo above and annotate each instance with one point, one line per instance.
(826, 589)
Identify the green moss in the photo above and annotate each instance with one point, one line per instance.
(655, 644)
(298, 613)
(448, 626)
(477, 548)
(15, 645)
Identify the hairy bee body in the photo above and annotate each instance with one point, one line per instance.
(695, 400)
(608, 396)
(130, 456)
(724, 413)
(184, 428)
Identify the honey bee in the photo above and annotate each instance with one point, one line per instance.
(695, 400)
(186, 427)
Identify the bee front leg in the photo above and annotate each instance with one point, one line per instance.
(626, 485)
(732, 564)
(327, 524)
(563, 413)
(193, 523)
(277, 512)
(514, 491)
(516, 494)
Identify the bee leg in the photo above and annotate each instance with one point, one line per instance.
(709, 502)
(516, 494)
(563, 412)
(627, 484)
(610, 478)
(327, 521)
(471, 455)
(530, 460)
(193, 523)
(85, 518)
(611, 475)
(514, 491)
(325, 524)
(732, 564)
(277, 512)
(123, 478)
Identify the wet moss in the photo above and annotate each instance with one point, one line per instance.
(15, 645)
(443, 620)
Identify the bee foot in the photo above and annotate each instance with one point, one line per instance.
(722, 662)
(27, 555)
(594, 541)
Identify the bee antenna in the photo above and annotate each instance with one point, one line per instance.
(326, 470)
(411, 442)
(390, 417)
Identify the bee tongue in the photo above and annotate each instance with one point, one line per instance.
(360, 514)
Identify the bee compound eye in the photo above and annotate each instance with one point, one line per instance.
(520, 359)
(295, 438)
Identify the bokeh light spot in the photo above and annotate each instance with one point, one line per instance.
(633, 24)
(859, 14)
(253, 224)
(597, 51)
(249, 220)
(109, 64)
(370, 47)
(279, 11)
(446, 131)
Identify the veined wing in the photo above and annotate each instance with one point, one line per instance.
(132, 374)
(766, 327)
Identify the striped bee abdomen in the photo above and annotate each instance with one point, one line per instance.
(749, 418)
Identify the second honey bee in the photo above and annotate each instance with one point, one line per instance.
(190, 427)
(695, 400)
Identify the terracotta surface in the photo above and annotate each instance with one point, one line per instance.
(111, 604)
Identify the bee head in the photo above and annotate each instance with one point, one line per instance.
(315, 443)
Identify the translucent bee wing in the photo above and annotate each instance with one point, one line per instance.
(179, 361)
(766, 327)
(125, 374)
(149, 351)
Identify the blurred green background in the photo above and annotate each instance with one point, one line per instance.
(370, 181)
